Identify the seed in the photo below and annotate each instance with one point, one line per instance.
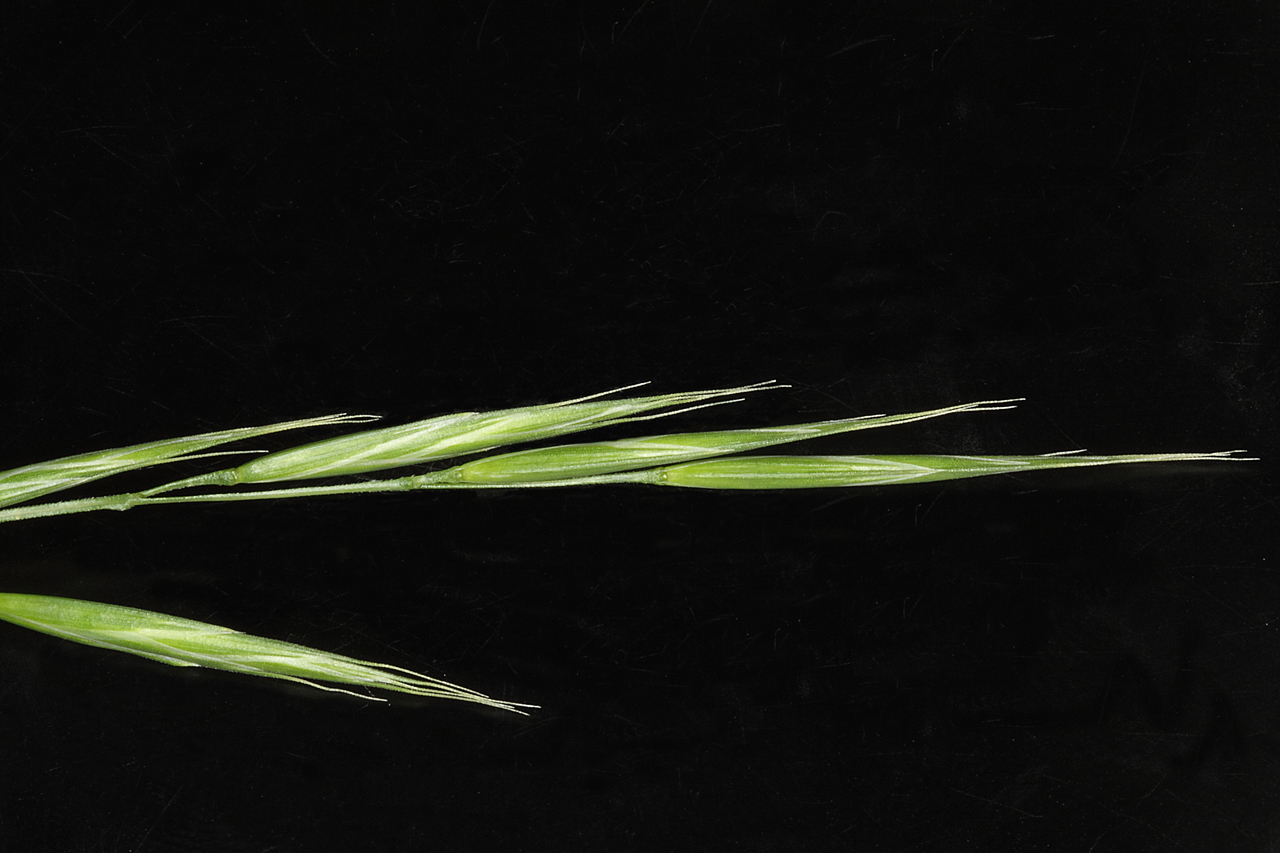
(43, 478)
(185, 642)
(607, 457)
(453, 435)
(823, 472)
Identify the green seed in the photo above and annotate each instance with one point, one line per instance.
(452, 435)
(185, 642)
(43, 478)
(608, 457)
(825, 472)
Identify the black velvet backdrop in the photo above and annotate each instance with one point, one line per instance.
(218, 216)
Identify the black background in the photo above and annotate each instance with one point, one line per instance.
(217, 216)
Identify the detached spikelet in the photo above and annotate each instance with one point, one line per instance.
(453, 435)
(184, 642)
(43, 478)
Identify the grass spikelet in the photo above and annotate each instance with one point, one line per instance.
(185, 642)
(607, 457)
(824, 472)
(706, 460)
(692, 460)
(454, 435)
(43, 478)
